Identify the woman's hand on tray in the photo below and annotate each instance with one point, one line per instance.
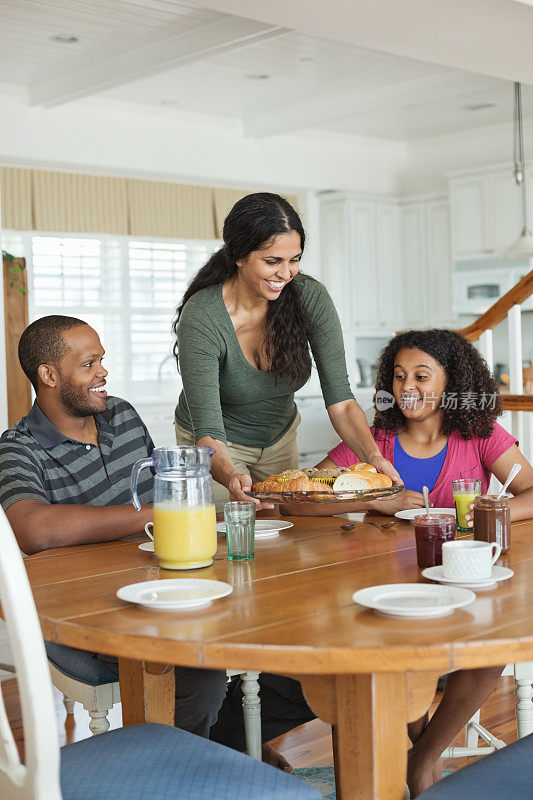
(241, 483)
(382, 465)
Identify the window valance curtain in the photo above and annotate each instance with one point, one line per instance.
(49, 200)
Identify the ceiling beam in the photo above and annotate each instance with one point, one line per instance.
(492, 37)
(220, 36)
(328, 107)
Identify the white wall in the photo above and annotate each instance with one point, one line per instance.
(429, 160)
(124, 139)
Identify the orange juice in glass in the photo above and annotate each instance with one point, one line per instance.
(465, 491)
(185, 537)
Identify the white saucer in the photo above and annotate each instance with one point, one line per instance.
(498, 574)
(413, 599)
(175, 594)
(148, 546)
(264, 528)
(411, 513)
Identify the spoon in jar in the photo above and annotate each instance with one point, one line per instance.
(515, 469)
(425, 492)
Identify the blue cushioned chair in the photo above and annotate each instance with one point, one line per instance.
(140, 762)
(81, 677)
(79, 664)
(505, 775)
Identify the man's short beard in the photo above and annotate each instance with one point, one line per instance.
(74, 400)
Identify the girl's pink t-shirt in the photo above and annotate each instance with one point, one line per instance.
(465, 458)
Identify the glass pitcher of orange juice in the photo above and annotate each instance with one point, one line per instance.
(185, 534)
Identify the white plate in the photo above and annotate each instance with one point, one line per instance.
(498, 574)
(413, 599)
(148, 546)
(175, 594)
(264, 528)
(411, 513)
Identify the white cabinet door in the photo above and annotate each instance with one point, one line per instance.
(364, 265)
(316, 434)
(336, 260)
(469, 217)
(439, 262)
(414, 245)
(389, 262)
(505, 211)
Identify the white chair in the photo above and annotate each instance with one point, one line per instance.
(140, 762)
(96, 698)
(251, 708)
(523, 676)
(99, 699)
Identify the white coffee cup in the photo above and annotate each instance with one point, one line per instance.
(148, 531)
(469, 560)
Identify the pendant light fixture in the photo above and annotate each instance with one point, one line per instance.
(523, 247)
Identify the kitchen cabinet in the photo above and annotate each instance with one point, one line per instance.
(414, 245)
(427, 263)
(316, 435)
(486, 213)
(365, 290)
(439, 271)
(361, 261)
(336, 257)
(389, 258)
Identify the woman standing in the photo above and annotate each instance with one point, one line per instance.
(243, 333)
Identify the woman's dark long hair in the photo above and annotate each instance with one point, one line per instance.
(467, 377)
(251, 225)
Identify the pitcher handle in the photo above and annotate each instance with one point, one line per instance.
(134, 477)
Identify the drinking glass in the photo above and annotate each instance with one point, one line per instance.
(239, 517)
(465, 491)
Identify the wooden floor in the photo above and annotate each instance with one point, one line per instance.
(308, 745)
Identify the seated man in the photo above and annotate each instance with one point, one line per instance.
(65, 469)
(64, 479)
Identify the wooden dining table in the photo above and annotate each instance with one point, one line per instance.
(291, 612)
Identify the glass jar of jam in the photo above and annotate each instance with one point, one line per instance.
(431, 530)
(492, 520)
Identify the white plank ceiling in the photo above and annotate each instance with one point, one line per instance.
(165, 54)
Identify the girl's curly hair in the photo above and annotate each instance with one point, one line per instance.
(466, 372)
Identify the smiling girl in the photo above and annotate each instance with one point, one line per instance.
(442, 425)
(244, 330)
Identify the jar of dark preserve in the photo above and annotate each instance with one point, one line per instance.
(492, 520)
(431, 530)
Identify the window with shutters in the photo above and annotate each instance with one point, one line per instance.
(126, 288)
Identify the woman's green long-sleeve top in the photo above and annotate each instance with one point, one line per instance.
(227, 398)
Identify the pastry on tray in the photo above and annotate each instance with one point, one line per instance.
(330, 479)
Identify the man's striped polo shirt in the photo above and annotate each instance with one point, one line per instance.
(38, 462)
